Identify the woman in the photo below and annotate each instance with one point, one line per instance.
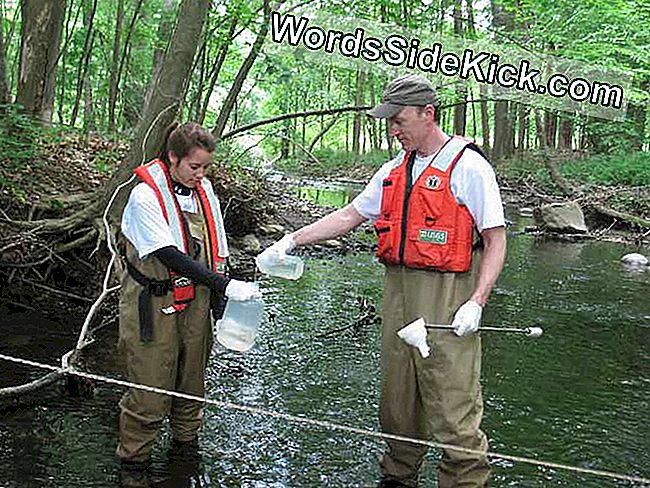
(175, 250)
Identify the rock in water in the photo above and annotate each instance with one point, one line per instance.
(634, 259)
(251, 244)
(561, 217)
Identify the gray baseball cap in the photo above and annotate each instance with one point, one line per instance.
(405, 91)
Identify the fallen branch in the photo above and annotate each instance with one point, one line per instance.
(322, 133)
(610, 212)
(25, 265)
(295, 115)
(57, 292)
(570, 191)
(48, 379)
(301, 147)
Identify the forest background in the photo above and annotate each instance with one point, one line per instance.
(87, 88)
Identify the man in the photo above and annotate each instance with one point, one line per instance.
(439, 220)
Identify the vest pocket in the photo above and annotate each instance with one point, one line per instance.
(429, 247)
(387, 190)
(385, 244)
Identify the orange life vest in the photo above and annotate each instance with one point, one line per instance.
(421, 225)
(156, 175)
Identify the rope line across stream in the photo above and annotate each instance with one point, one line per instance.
(326, 425)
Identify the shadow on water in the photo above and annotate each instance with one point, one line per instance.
(578, 395)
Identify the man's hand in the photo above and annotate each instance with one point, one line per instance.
(284, 245)
(242, 290)
(467, 318)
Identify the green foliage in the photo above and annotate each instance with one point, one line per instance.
(333, 162)
(20, 150)
(607, 137)
(610, 35)
(631, 169)
(619, 169)
(522, 170)
(637, 202)
(108, 159)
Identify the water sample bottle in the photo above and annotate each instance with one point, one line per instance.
(237, 329)
(285, 266)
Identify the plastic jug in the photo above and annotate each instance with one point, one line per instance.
(287, 266)
(237, 329)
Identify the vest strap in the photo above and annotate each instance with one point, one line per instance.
(449, 153)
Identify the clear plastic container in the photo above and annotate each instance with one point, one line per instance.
(237, 329)
(289, 267)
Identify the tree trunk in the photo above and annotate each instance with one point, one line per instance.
(115, 62)
(356, 126)
(503, 20)
(504, 129)
(167, 95)
(89, 108)
(164, 28)
(216, 68)
(566, 134)
(550, 124)
(501, 127)
(541, 130)
(474, 117)
(460, 110)
(512, 134)
(389, 140)
(198, 96)
(485, 120)
(523, 128)
(229, 103)
(86, 54)
(375, 124)
(64, 57)
(4, 88)
(40, 39)
(125, 48)
(11, 68)
(636, 115)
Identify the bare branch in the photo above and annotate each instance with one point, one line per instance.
(247, 127)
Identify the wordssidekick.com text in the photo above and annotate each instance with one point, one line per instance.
(398, 51)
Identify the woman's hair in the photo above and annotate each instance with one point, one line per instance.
(181, 139)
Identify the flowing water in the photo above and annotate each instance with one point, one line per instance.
(578, 395)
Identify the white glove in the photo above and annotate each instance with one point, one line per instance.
(282, 247)
(467, 318)
(242, 290)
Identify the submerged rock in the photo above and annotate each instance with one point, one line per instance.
(634, 259)
(333, 243)
(271, 229)
(251, 244)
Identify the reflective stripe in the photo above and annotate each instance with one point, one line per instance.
(213, 201)
(159, 182)
(449, 152)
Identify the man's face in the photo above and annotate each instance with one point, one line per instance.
(411, 126)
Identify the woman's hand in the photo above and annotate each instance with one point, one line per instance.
(242, 290)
